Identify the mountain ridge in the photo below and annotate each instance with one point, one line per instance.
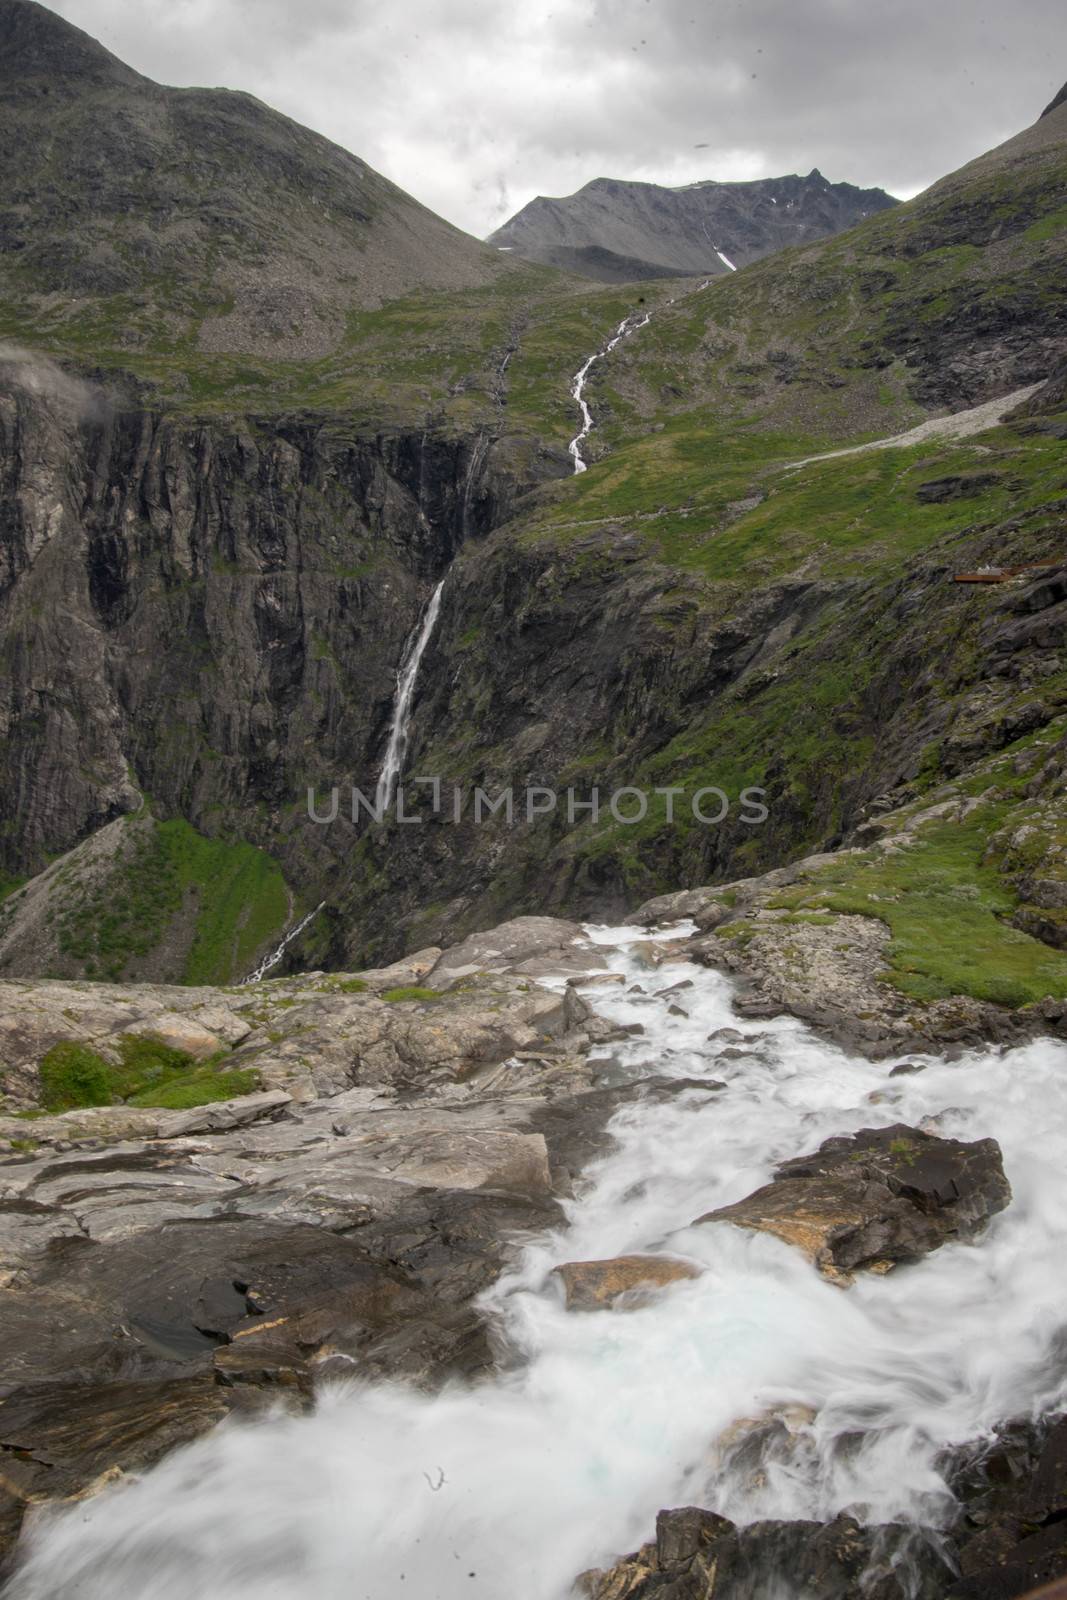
(617, 230)
(243, 559)
(36, 42)
(199, 212)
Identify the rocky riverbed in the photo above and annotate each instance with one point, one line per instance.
(426, 1174)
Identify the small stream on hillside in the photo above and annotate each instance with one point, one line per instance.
(513, 1486)
(628, 325)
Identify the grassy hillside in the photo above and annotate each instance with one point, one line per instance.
(147, 899)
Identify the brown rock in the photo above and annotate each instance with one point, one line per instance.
(598, 1285)
(876, 1197)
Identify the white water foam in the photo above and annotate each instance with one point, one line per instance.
(516, 1485)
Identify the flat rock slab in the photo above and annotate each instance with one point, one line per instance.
(875, 1198)
(530, 945)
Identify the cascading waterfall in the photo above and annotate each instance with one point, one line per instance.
(627, 326)
(410, 661)
(517, 1484)
(259, 973)
(400, 726)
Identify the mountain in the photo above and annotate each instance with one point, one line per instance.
(618, 231)
(193, 213)
(211, 564)
(818, 551)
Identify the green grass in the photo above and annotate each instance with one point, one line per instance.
(409, 992)
(148, 1073)
(947, 912)
(198, 1089)
(235, 895)
(73, 1076)
(683, 490)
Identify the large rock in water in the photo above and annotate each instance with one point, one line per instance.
(873, 1198)
(1009, 1538)
(626, 1281)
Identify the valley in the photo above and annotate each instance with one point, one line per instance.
(434, 1180)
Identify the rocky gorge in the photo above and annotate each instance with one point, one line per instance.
(458, 1167)
(568, 1203)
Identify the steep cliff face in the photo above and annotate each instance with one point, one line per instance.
(586, 664)
(207, 613)
(209, 571)
(212, 616)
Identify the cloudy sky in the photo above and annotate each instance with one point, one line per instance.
(475, 106)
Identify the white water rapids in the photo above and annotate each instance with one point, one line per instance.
(512, 1487)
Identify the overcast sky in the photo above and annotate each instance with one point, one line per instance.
(475, 106)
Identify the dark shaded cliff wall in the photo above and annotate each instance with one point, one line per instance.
(208, 612)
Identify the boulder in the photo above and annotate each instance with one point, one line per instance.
(622, 1282)
(179, 1033)
(875, 1198)
(664, 909)
(1012, 1531)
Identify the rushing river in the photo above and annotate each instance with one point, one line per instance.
(512, 1487)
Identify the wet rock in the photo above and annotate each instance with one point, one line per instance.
(341, 1220)
(66, 1440)
(1012, 1532)
(875, 1198)
(648, 952)
(623, 1282)
(698, 1555)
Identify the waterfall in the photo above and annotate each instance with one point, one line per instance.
(627, 326)
(260, 972)
(517, 1483)
(400, 726)
(477, 456)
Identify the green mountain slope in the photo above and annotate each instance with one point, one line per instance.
(211, 558)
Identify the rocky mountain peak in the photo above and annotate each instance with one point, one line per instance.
(41, 50)
(1054, 105)
(619, 230)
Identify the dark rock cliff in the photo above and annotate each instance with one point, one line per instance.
(212, 615)
(208, 613)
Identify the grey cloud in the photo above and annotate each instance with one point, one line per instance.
(474, 106)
